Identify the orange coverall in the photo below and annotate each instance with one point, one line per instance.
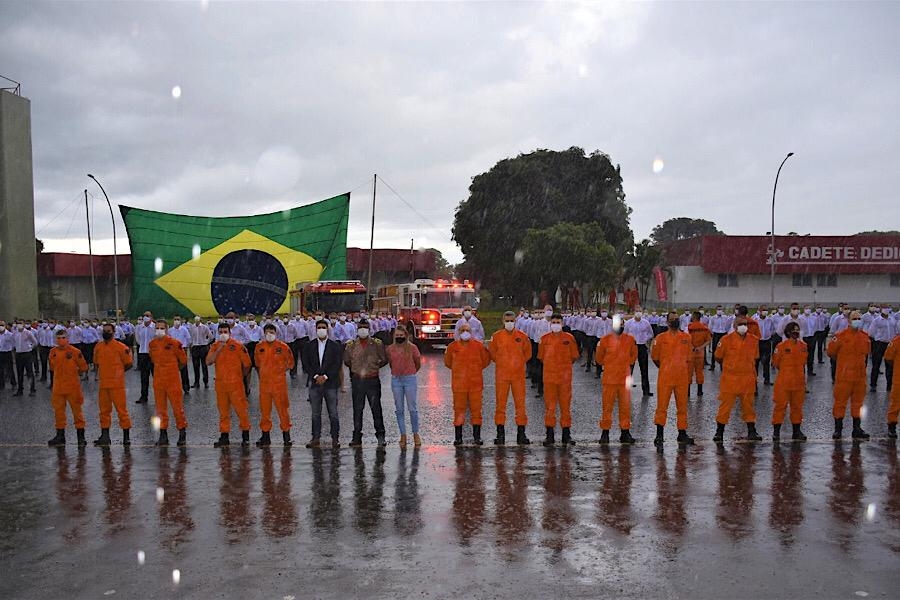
(510, 350)
(273, 360)
(68, 365)
(738, 356)
(700, 334)
(673, 353)
(790, 385)
(231, 364)
(168, 358)
(616, 354)
(892, 354)
(557, 352)
(851, 349)
(466, 361)
(111, 359)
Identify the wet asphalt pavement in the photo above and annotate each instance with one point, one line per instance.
(813, 520)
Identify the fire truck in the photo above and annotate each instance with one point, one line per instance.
(329, 297)
(428, 308)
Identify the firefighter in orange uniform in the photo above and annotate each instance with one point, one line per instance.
(273, 359)
(891, 355)
(616, 353)
(232, 364)
(467, 358)
(510, 350)
(701, 337)
(851, 349)
(112, 358)
(67, 365)
(557, 352)
(737, 353)
(789, 359)
(673, 355)
(168, 358)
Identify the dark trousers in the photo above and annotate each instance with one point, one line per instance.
(537, 369)
(811, 347)
(25, 366)
(833, 368)
(579, 340)
(6, 369)
(878, 349)
(642, 363)
(251, 349)
(198, 358)
(716, 338)
(146, 369)
(765, 358)
(185, 382)
(317, 393)
(821, 336)
(363, 389)
(295, 351)
(44, 354)
(590, 346)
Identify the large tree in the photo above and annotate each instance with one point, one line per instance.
(640, 262)
(682, 228)
(536, 191)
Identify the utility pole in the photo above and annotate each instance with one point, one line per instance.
(87, 216)
(372, 235)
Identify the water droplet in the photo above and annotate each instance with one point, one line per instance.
(176, 92)
(176, 576)
(658, 165)
(862, 594)
(617, 321)
(651, 497)
(863, 412)
(195, 251)
(628, 381)
(583, 71)
(519, 256)
(154, 423)
(111, 592)
(158, 265)
(141, 557)
(160, 495)
(870, 512)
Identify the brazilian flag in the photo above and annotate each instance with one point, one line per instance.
(212, 265)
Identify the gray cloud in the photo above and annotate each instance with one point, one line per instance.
(283, 104)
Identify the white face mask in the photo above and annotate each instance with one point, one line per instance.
(196, 319)
(742, 329)
(177, 323)
(555, 327)
(806, 311)
(160, 333)
(603, 314)
(509, 325)
(548, 313)
(229, 321)
(2, 328)
(223, 337)
(856, 323)
(638, 315)
(719, 312)
(795, 312)
(363, 332)
(465, 336)
(764, 312)
(321, 333)
(467, 313)
(780, 311)
(146, 320)
(342, 318)
(270, 337)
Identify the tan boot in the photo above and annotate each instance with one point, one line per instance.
(403, 441)
(417, 440)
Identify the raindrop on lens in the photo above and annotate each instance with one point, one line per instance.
(519, 256)
(176, 92)
(155, 423)
(141, 557)
(863, 411)
(658, 165)
(629, 380)
(870, 512)
(157, 265)
(195, 251)
(176, 576)
(160, 495)
(616, 321)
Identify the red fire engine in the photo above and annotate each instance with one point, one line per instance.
(429, 308)
(329, 297)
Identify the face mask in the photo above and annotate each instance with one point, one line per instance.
(196, 319)
(846, 313)
(107, 335)
(20, 327)
(467, 313)
(819, 310)
(229, 321)
(871, 309)
(2, 329)
(795, 312)
(400, 340)
(177, 322)
(509, 325)
(270, 337)
(742, 329)
(284, 320)
(465, 336)
(638, 315)
(160, 333)
(806, 311)
(321, 333)
(146, 320)
(764, 312)
(223, 337)
(780, 311)
(342, 318)
(885, 312)
(548, 313)
(527, 315)
(363, 332)
(856, 323)
(555, 327)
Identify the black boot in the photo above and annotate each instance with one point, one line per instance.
(625, 437)
(500, 440)
(684, 438)
(126, 437)
(567, 437)
(476, 435)
(521, 438)
(59, 439)
(720, 433)
(699, 389)
(550, 440)
(103, 440)
(286, 437)
(752, 435)
(457, 435)
(892, 431)
(604, 436)
(223, 442)
(264, 440)
(163, 438)
(776, 432)
(838, 429)
(81, 441)
(798, 435)
(858, 433)
(658, 440)
(182, 436)
(245, 438)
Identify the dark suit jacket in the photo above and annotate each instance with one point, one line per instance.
(332, 362)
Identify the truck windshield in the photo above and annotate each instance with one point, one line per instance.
(452, 298)
(336, 302)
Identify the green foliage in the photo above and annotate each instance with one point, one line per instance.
(536, 191)
(682, 228)
(640, 262)
(877, 232)
(442, 268)
(565, 253)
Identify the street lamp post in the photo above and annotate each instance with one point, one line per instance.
(772, 253)
(115, 253)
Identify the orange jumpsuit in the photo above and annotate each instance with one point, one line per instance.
(790, 385)
(231, 363)
(557, 352)
(510, 350)
(466, 361)
(616, 354)
(168, 358)
(68, 365)
(673, 352)
(273, 360)
(700, 334)
(851, 349)
(111, 359)
(738, 356)
(892, 354)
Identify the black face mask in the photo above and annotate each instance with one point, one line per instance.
(107, 335)
(400, 340)
(794, 334)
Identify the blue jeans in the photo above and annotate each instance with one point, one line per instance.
(404, 387)
(317, 393)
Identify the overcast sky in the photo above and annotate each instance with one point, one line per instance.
(285, 104)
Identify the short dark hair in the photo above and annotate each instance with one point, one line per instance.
(556, 315)
(268, 327)
(224, 325)
(321, 322)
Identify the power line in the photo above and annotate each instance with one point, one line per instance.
(67, 207)
(412, 208)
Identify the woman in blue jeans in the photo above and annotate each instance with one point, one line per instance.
(405, 361)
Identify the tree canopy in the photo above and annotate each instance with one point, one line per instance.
(567, 253)
(640, 262)
(537, 191)
(682, 228)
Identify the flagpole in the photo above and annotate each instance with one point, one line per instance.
(412, 270)
(87, 216)
(372, 235)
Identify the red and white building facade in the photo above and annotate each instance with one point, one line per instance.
(710, 270)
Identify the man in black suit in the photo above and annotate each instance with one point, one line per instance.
(322, 360)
